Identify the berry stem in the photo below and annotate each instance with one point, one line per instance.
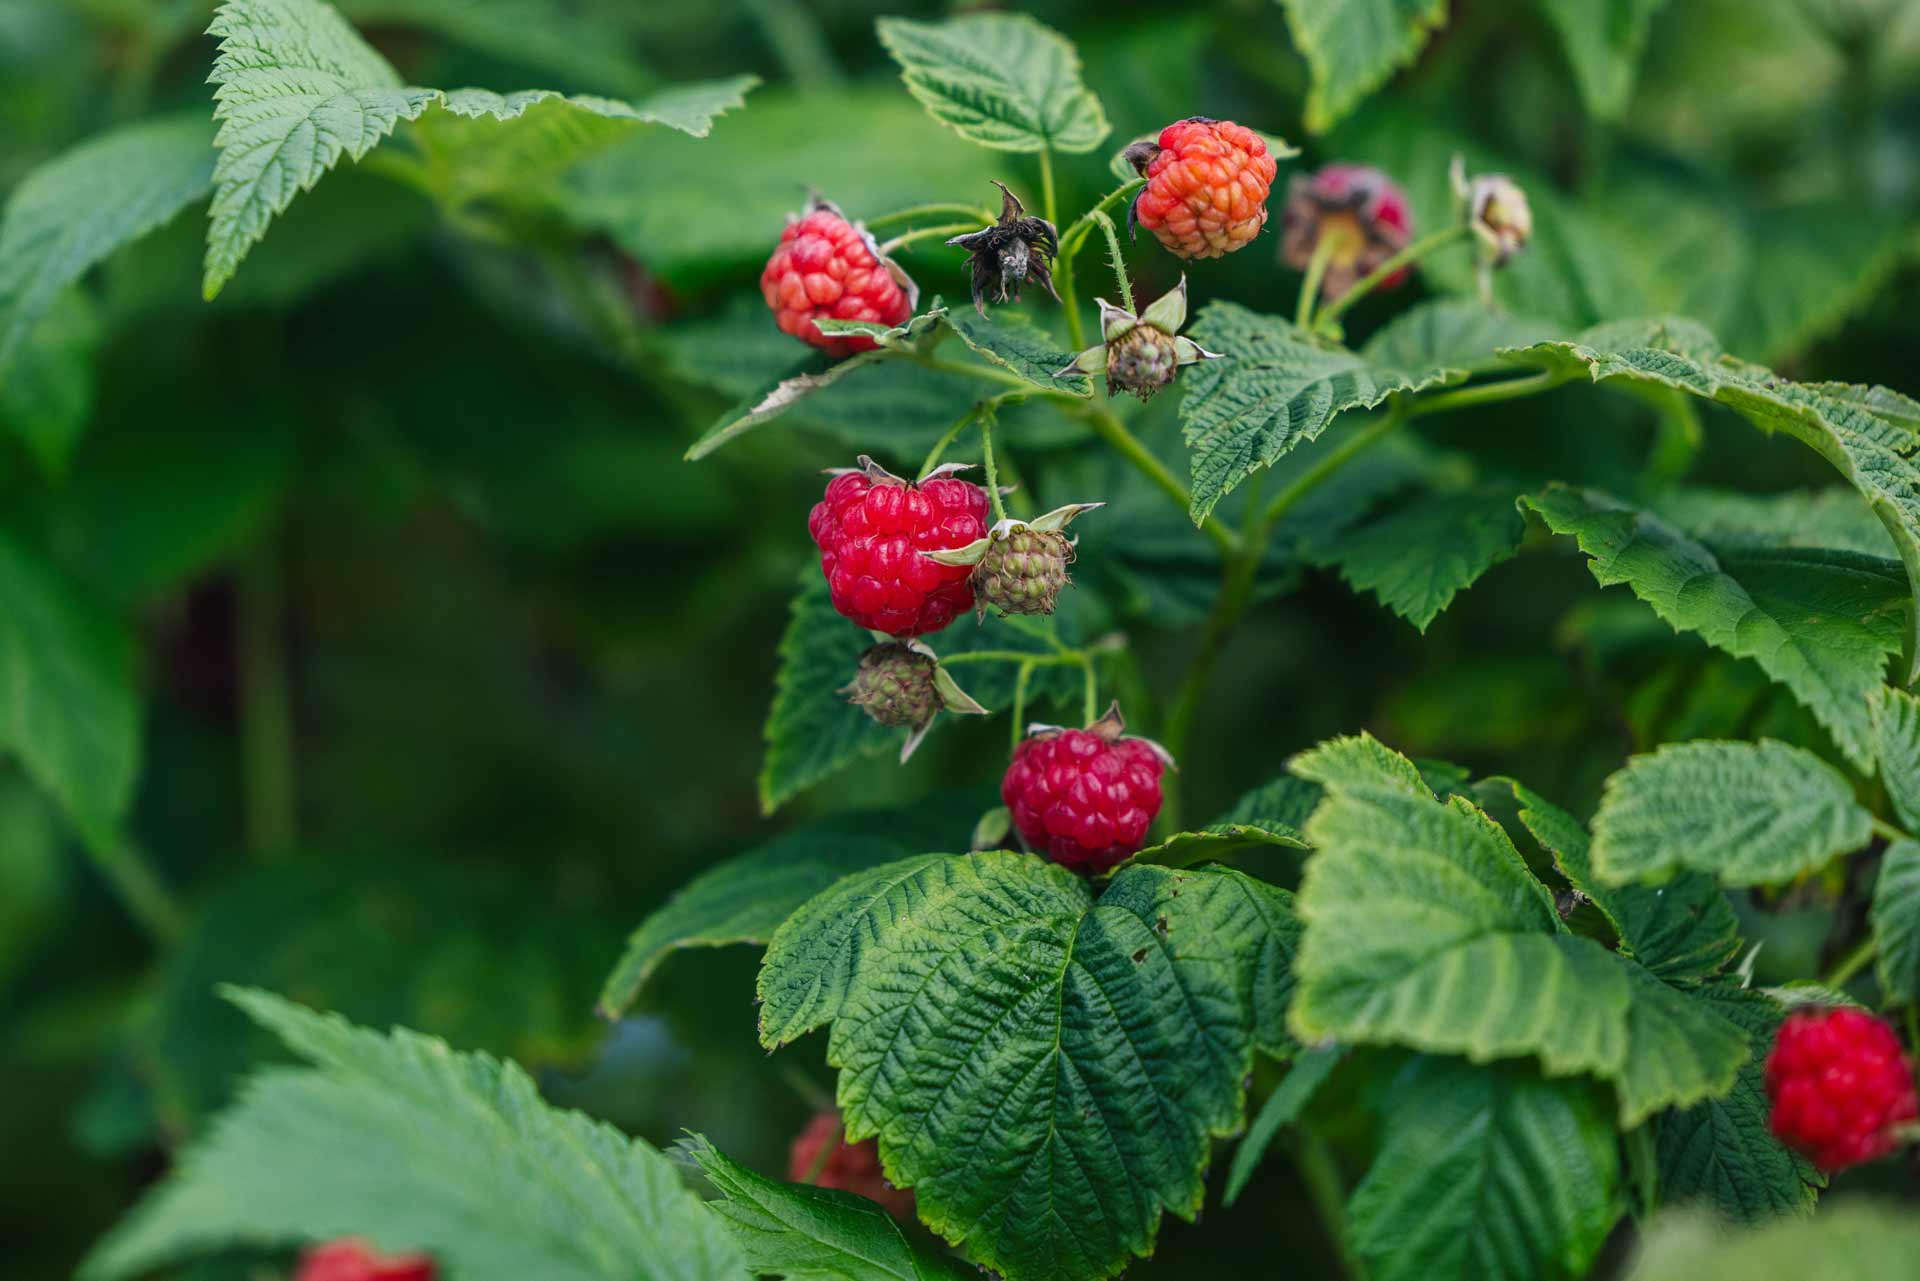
(1063, 265)
(986, 461)
(1110, 429)
(1411, 254)
(1485, 393)
(1118, 257)
(887, 247)
(1851, 964)
(1020, 701)
(921, 211)
(1076, 235)
(1888, 831)
(1092, 696)
(1064, 658)
(1323, 251)
(952, 433)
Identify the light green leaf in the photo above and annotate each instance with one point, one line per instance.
(1275, 390)
(474, 1168)
(1044, 1070)
(1747, 813)
(1424, 549)
(1603, 40)
(76, 209)
(1352, 46)
(804, 1233)
(1486, 1174)
(1896, 924)
(1453, 333)
(743, 900)
(1016, 344)
(1285, 1104)
(1895, 717)
(1822, 623)
(1003, 80)
(1856, 1239)
(68, 709)
(1683, 1051)
(46, 392)
(1215, 843)
(1875, 454)
(1836, 519)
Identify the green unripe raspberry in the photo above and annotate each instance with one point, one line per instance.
(895, 686)
(1142, 361)
(1023, 572)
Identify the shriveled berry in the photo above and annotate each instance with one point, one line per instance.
(1023, 572)
(351, 1259)
(871, 529)
(1361, 215)
(1840, 1086)
(851, 1167)
(826, 268)
(895, 685)
(1084, 797)
(1207, 185)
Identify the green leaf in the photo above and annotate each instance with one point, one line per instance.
(1453, 333)
(592, 47)
(1003, 80)
(1836, 518)
(1423, 550)
(1896, 924)
(1353, 46)
(1486, 1173)
(68, 709)
(1747, 813)
(1044, 1070)
(32, 873)
(1895, 717)
(1683, 1051)
(1014, 343)
(1858, 1238)
(473, 1167)
(743, 900)
(1284, 805)
(1285, 1104)
(1822, 623)
(1874, 453)
(1215, 843)
(1275, 390)
(1603, 40)
(46, 393)
(804, 1233)
(76, 209)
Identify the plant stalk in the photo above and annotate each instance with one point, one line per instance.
(139, 887)
(1371, 281)
(1114, 432)
(1063, 264)
(1118, 256)
(926, 233)
(1323, 251)
(992, 474)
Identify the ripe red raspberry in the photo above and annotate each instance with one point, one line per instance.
(1840, 1087)
(851, 1167)
(1365, 213)
(871, 528)
(1084, 797)
(1207, 184)
(826, 268)
(351, 1259)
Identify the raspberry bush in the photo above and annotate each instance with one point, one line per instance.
(1459, 436)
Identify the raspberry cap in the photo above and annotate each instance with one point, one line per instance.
(1367, 212)
(872, 528)
(851, 1167)
(1085, 797)
(901, 684)
(1840, 1086)
(1141, 353)
(352, 1259)
(1207, 185)
(826, 268)
(1020, 566)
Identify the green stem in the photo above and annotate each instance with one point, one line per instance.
(1076, 235)
(923, 211)
(146, 897)
(988, 373)
(1321, 1174)
(1091, 703)
(1114, 432)
(1063, 265)
(1020, 703)
(993, 475)
(1335, 459)
(1646, 1171)
(266, 706)
(1411, 254)
(1888, 831)
(940, 446)
(1852, 963)
(1064, 658)
(926, 233)
(1323, 251)
(1119, 258)
(1486, 393)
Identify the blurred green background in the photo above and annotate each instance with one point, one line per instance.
(451, 670)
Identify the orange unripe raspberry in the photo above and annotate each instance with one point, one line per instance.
(1207, 185)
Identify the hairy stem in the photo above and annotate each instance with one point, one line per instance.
(266, 706)
(1073, 237)
(986, 461)
(947, 438)
(926, 233)
(925, 211)
(1063, 265)
(1118, 257)
(1371, 281)
(1020, 684)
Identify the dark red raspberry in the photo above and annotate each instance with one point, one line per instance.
(826, 268)
(1840, 1087)
(871, 528)
(351, 1259)
(1084, 797)
(1365, 213)
(1207, 185)
(851, 1167)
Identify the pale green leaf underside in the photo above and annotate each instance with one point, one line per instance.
(804, 1233)
(1045, 1070)
(1424, 549)
(1352, 46)
(1874, 452)
(1486, 1174)
(416, 1146)
(1895, 717)
(1863, 1238)
(1822, 623)
(1275, 390)
(1003, 80)
(76, 209)
(1746, 813)
(1896, 924)
(1603, 40)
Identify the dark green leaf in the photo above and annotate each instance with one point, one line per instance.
(1003, 80)
(1286, 1103)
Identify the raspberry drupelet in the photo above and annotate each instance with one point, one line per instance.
(871, 528)
(1840, 1086)
(1084, 797)
(826, 268)
(1207, 185)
